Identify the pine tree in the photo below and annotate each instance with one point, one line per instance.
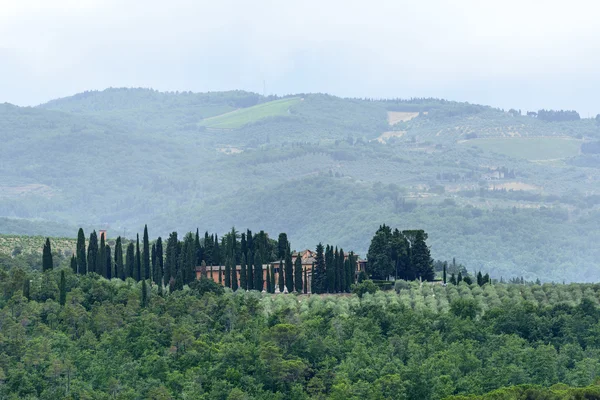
(47, 263)
(298, 273)
(234, 278)
(281, 277)
(289, 269)
(243, 272)
(108, 270)
(319, 276)
(250, 270)
(101, 263)
(119, 267)
(81, 261)
(27, 288)
(92, 252)
(269, 290)
(305, 285)
(129, 261)
(144, 303)
(146, 257)
(73, 264)
(137, 273)
(258, 273)
(62, 287)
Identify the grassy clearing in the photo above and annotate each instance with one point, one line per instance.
(399, 116)
(238, 118)
(533, 149)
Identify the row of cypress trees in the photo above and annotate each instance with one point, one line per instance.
(333, 272)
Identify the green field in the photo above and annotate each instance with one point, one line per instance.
(536, 148)
(238, 118)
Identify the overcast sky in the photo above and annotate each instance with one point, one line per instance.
(511, 53)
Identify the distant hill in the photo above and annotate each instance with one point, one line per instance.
(502, 192)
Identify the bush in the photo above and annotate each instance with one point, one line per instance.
(401, 285)
(366, 286)
(205, 285)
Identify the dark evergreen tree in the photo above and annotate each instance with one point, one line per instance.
(421, 257)
(459, 278)
(198, 248)
(119, 267)
(144, 302)
(305, 285)
(137, 273)
(281, 276)
(101, 263)
(380, 264)
(479, 279)
(159, 269)
(220, 276)
(27, 289)
(153, 263)
(319, 277)
(92, 252)
(244, 245)
(62, 289)
(129, 261)
(216, 254)
(227, 273)
(234, 277)
(453, 279)
(47, 263)
(188, 259)
(258, 273)
(81, 260)
(269, 289)
(272, 279)
(73, 264)
(341, 272)
(243, 272)
(146, 255)
(486, 278)
(282, 245)
(289, 269)
(250, 270)
(298, 273)
(172, 256)
(108, 269)
(444, 272)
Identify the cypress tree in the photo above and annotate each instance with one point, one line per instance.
(81, 261)
(319, 276)
(269, 290)
(281, 278)
(305, 285)
(108, 271)
(444, 272)
(62, 287)
(101, 263)
(298, 274)
(27, 288)
(453, 279)
(137, 273)
(146, 256)
(216, 254)
(341, 272)
(92, 252)
(459, 278)
(144, 303)
(250, 270)
(243, 274)
(421, 257)
(258, 273)
(486, 278)
(220, 276)
(198, 248)
(234, 278)
(119, 267)
(159, 272)
(351, 271)
(289, 269)
(74, 264)
(129, 261)
(47, 263)
(282, 245)
(333, 284)
(244, 245)
(179, 280)
(272, 279)
(227, 273)
(479, 279)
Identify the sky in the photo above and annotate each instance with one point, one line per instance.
(519, 54)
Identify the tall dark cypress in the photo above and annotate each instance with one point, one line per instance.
(129, 261)
(220, 276)
(101, 263)
(227, 273)
(351, 270)
(73, 264)
(62, 288)
(159, 272)
(327, 284)
(269, 289)
(319, 276)
(250, 270)
(289, 269)
(198, 248)
(144, 302)
(272, 279)
(281, 276)
(244, 245)
(137, 273)
(119, 267)
(27, 289)
(341, 272)
(282, 245)
(81, 261)
(108, 263)
(444, 272)
(258, 273)
(243, 272)
(146, 255)
(92, 252)
(421, 257)
(305, 285)
(216, 253)
(298, 274)
(153, 263)
(234, 278)
(47, 263)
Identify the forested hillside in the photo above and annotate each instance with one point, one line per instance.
(502, 191)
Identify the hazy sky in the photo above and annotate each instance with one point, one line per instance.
(510, 53)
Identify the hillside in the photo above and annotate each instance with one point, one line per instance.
(502, 192)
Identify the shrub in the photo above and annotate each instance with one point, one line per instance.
(366, 286)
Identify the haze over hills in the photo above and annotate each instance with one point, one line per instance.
(506, 193)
